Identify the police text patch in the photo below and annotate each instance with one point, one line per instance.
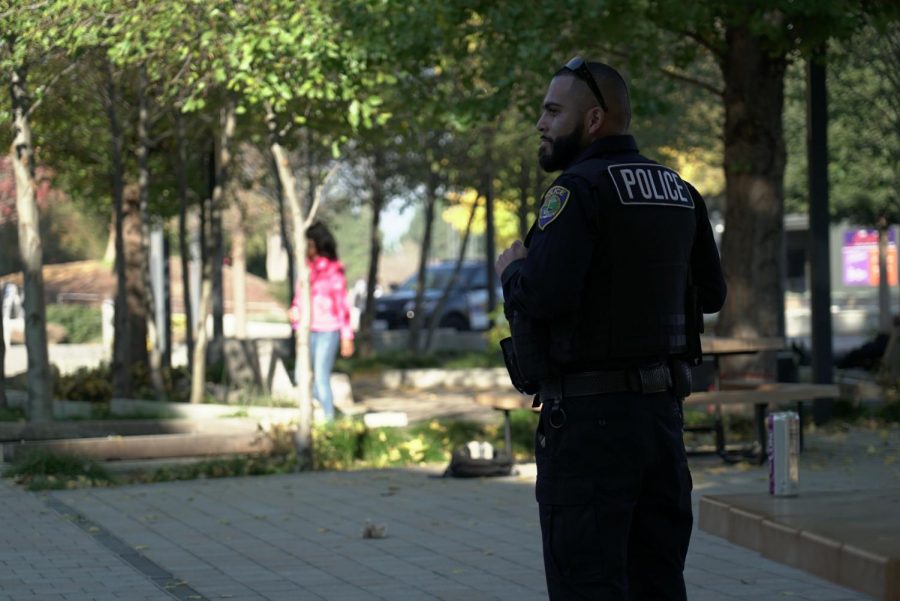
(555, 200)
(649, 184)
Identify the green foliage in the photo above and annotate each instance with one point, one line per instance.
(863, 130)
(67, 233)
(82, 323)
(348, 444)
(85, 384)
(889, 412)
(12, 414)
(40, 469)
(94, 384)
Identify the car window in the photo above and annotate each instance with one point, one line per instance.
(478, 278)
(435, 279)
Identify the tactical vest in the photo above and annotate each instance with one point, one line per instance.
(633, 305)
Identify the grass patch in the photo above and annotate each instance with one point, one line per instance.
(40, 469)
(216, 468)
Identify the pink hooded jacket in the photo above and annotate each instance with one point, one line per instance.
(328, 290)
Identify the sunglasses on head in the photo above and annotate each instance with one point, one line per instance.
(578, 67)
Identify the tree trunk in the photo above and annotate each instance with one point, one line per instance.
(201, 334)
(415, 327)
(40, 380)
(303, 439)
(3, 403)
(204, 301)
(121, 360)
(439, 309)
(183, 240)
(198, 373)
(288, 247)
(167, 301)
(227, 125)
(490, 246)
(284, 231)
(367, 317)
(150, 301)
(109, 254)
(239, 270)
(135, 279)
(524, 193)
(753, 242)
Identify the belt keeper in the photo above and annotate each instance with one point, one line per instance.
(635, 380)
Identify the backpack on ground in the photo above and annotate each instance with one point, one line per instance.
(477, 460)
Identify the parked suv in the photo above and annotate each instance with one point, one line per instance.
(465, 308)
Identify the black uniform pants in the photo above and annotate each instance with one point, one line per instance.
(614, 493)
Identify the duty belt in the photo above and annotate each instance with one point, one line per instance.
(644, 380)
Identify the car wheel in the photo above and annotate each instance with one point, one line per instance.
(454, 321)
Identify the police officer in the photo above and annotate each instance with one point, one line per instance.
(609, 277)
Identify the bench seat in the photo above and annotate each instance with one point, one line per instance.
(758, 394)
(764, 393)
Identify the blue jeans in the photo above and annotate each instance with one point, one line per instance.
(323, 348)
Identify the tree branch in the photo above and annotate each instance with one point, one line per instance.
(702, 42)
(39, 94)
(317, 197)
(705, 85)
(692, 80)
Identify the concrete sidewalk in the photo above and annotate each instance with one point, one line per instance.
(300, 536)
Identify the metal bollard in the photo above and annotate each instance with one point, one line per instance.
(783, 447)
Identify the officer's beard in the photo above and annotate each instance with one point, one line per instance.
(562, 151)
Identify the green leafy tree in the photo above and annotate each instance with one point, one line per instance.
(863, 138)
(35, 44)
(292, 67)
(752, 46)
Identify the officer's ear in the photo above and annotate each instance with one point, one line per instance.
(595, 119)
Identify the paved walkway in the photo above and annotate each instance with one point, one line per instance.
(299, 537)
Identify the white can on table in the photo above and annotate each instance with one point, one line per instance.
(783, 447)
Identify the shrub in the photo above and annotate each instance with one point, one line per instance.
(82, 323)
(889, 412)
(348, 444)
(95, 384)
(85, 384)
(12, 414)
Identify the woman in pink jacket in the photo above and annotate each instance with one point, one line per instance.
(330, 323)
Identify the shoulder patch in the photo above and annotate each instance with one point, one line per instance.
(650, 184)
(554, 202)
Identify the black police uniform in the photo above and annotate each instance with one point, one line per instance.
(605, 282)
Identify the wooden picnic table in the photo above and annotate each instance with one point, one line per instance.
(760, 394)
(717, 346)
